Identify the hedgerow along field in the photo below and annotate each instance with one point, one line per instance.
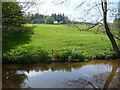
(52, 40)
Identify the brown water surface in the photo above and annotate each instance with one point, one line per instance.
(93, 74)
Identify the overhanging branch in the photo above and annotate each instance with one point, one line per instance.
(88, 27)
(116, 37)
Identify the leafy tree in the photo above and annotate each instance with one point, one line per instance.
(49, 20)
(35, 18)
(39, 18)
(116, 21)
(60, 17)
(61, 22)
(55, 16)
(12, 17)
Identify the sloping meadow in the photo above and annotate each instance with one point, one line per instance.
(57, 43)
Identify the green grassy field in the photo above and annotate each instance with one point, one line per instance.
(55, 39)
(62, 37)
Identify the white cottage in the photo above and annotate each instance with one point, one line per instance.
(55, 22)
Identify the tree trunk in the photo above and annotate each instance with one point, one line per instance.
(110, 77)
(111, 37)
(109, 34)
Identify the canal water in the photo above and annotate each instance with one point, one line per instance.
(93, 74)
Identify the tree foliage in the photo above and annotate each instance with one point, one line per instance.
(35, 18)
(12, 17)
(116, 21)
(49, 20)
(39, 18)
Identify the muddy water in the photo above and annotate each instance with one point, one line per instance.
(93, 74)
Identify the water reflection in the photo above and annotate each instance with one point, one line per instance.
(94, 74)
(102, 80)
(12, 80)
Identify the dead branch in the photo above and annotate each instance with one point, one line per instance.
(116, 37)
(85, 81)
(93, 6)
(98, 28)
(27, 6)
(77, 27)
(80, 4)
(88, 27)
(59, 2)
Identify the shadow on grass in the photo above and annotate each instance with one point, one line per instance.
(11, 40)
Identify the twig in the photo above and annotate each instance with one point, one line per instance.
(86, 81)
(88, 27)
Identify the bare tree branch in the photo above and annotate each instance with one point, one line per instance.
(98, 28)
(88, 27)
(27, 6)
(116, 37)
(85, 81)
(93, 7)
(59, 2)
(80, 4)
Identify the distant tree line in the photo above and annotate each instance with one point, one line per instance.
(41, 19)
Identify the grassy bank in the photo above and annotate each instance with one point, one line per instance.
(62, 42)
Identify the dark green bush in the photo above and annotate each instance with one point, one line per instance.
(69, 56)
(76, 56)
(26, 55)
(112, 55)
(108, 55)
(63, 56)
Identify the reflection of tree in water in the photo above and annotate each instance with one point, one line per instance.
(12, 80)
(67, 67)
(45, 66)
(103, 80)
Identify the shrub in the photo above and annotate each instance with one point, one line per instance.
(76, 56)
(63, 56)
(49, 20)
(25, 55)
(108, 55)
(112, 55)
(69, 56)
(61, 22)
